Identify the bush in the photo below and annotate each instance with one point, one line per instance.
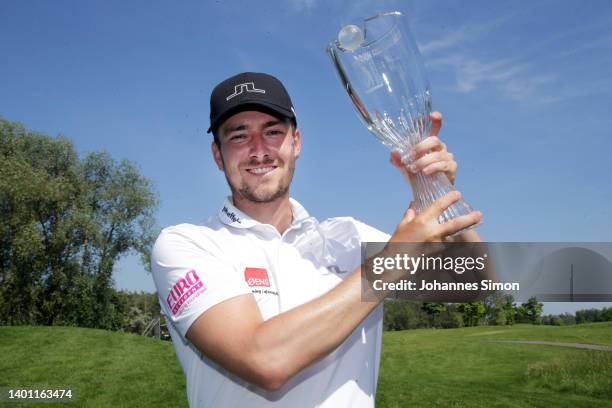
(403, 315)
(451, 319)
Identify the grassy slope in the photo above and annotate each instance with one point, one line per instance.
(420, 368)
(104, 368)
(457, 368)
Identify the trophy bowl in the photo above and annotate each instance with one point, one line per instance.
(381, 69)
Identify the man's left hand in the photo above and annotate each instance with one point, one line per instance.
(430, 155)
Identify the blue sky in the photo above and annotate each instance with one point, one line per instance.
(525, 89)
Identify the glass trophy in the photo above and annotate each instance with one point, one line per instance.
(382, 71)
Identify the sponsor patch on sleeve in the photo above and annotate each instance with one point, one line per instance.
(184, 291)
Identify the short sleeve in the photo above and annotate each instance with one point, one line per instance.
(370, 234)
(190, 278)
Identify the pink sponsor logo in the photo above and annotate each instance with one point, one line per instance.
(184, 289)
(256, 277)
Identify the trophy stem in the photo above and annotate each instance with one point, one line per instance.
(427, 189)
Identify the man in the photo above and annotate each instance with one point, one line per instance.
(263, 301)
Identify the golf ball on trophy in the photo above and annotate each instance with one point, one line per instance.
(350, 37)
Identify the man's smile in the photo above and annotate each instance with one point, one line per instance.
(261, 170)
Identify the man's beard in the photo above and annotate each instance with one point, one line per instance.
(246, 193)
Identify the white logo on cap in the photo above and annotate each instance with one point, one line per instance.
(247, 86)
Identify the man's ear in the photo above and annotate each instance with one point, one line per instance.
(217, 156)
(297, 142)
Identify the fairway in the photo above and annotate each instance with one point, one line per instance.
(104, 368)
(463, 368)
(420, 368)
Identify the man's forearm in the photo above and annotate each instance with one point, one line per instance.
(269, 352)
(305, 334)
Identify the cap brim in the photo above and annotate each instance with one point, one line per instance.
(259, 106)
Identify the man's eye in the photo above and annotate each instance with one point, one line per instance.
(237, 137)
(275, 132)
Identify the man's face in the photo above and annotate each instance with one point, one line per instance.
(257, 155)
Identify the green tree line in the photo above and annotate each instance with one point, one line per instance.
(497, 309)
(64, 223)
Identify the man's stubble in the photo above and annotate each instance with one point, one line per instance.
(246, 193)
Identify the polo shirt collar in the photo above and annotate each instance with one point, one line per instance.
(232, 216)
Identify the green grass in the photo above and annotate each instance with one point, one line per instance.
(460, 368)
(588, 374)
(105, 369)
(420, 368)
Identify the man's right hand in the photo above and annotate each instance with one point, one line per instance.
(424, 227)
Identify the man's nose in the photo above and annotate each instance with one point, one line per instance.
(258, 146)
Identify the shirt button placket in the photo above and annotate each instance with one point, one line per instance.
(277, 273)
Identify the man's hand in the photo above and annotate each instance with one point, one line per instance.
(425, 227)
(430, 155)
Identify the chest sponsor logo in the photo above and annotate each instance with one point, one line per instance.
(256, 277)
(183, 290)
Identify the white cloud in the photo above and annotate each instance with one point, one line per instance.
(470, 32)
(449, 41)
(603, 44)
(512, 78)
(530, 88)
(568, 91)
(528, 74)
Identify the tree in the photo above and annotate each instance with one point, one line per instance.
(451, 318)
(433, 310)
(552, 320)
(64, 222)
(399, 315)
(141, 308)
(568, 318)
(499, 309)
(472, 312)
(532, 310)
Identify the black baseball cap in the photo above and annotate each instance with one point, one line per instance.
(249, 91)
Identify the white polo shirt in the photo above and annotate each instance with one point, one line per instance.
(230, 254)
